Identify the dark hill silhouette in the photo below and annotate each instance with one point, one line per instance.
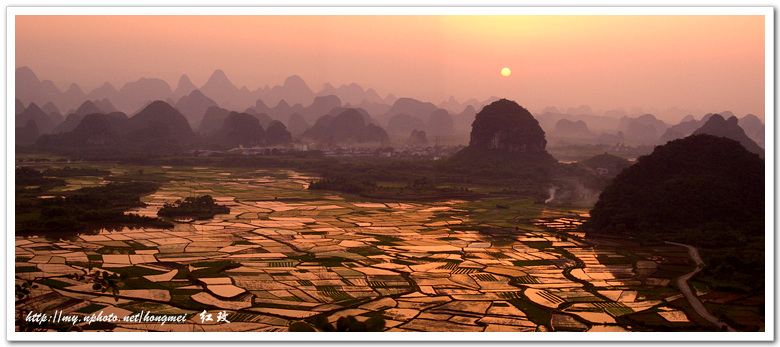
(417, 138)
(27, 134)
(101, 130)
(297, 125)
(375, 134)
(718, 126)
(403, 123)
(88, 107)
(239, 129)
(506, 143)
(160, 114)
(213, 119)
(72, 120)
(688, 190)
(277, 134)
(194, 106)
(347, 127)
(45, 123)
(505, 125)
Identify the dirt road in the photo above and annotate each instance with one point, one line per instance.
(682, 283)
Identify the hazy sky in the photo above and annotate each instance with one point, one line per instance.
(708, 63)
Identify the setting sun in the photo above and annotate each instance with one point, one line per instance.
(506, 72)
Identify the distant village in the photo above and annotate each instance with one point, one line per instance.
(401, 152)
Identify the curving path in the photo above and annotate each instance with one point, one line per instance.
(682, 283)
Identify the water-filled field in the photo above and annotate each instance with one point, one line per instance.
(285, 254)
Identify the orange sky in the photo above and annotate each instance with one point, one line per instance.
(706, 63)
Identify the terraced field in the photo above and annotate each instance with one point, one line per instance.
(285, 254)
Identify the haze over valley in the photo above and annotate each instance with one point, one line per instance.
(390, 173)
(302, 112)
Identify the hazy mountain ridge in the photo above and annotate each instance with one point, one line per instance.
(729, 128)
(348, 126)
(451, 120)
(135, 95)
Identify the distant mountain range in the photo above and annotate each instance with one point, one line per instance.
(135, 95)
(299, 109)
(157, 128)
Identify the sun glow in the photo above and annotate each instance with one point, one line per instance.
(506, 72)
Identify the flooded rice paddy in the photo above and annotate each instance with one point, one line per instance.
(284, 254)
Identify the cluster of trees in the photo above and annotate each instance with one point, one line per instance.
(28, 177)
(702, 190)
(697, 182)
(74, 172)
(81, 210)
(201, 207)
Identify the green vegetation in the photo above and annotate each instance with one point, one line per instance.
(535, 313)
(702, 190)
(404, 180)
(82, 210)
(507, 213)
(212, 269)
(201, 207)
(74, 172)
(29, 179)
